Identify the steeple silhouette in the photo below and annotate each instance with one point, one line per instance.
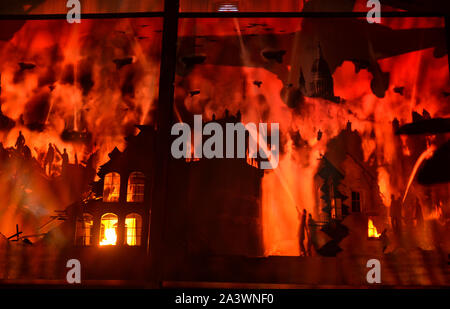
(322, 85)
(302, 83)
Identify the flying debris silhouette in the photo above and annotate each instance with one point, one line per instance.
(194, 92)
(120, 63)
(276, 55)
(399, 90)
(258, 83)
(26, 66)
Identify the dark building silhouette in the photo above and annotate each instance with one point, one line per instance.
(321, 85)
(346, 185)
(213, 207)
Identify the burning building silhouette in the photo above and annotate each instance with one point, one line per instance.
(346, 185)
(222, 220)
(214, 205)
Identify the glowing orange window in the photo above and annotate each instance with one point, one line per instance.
(111, 187)
(136, 186)
(133, 227)
(108, 230)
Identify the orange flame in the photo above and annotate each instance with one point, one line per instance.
(435, 213)
(372, 230)
(110, 237)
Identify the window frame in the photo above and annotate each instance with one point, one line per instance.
(357, 201)
(102, 228)
(113, 175)
(82, 239)
(137, 230)
(136, 189)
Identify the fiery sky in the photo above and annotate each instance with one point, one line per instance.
(291, 186)
(102, 77)
(76, 83)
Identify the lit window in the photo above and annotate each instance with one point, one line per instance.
(84, 230)
(356, 201)
(111, 187)
(372, 230)
(336, 208)
(133, 227)
(336, 205)
(108, 230)
(136, 185)
(227, 7)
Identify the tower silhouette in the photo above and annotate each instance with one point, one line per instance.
(321, 85)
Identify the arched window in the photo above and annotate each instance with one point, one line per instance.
(136, 185)
(111, 187)
(84, 230)
(133, 228)
(108, 230)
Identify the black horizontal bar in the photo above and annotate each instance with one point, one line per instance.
(222, 15)
(304, 14)
(83, 16)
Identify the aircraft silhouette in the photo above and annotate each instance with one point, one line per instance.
(285, 53)
(341, 39)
